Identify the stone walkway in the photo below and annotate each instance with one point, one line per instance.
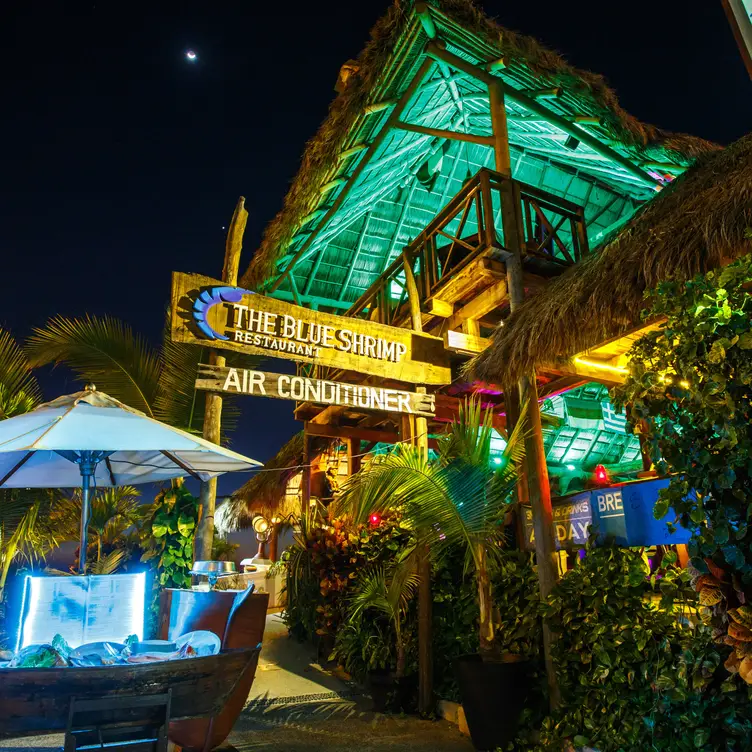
(295, 705)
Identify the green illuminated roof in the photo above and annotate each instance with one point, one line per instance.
(590, 433)
(345, 227)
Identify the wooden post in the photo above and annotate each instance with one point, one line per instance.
(425, 598)
(416, 430)
(213, 411)
(353, 456)
(538, 490)
(305, 480)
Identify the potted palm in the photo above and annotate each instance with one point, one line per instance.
(388, 591)
(459, 499)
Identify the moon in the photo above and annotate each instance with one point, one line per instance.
(191, 56)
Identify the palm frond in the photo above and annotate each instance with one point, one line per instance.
(113, 511)
(108, 564)
(372, 593)
(102, 350)
(19, 389)
(470, 436)
(404, 582)
(178, 402)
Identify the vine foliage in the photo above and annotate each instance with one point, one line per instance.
(689, 391)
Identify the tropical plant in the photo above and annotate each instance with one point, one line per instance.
(24, 532)
(689, 390)
(388, 591)
(635, 675)
(459, 499)
(106, 351)
(115, 516)
(167, 535)
(454, 618)
(19, 389)
(323, 563)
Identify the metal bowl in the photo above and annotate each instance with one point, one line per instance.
(214, 569)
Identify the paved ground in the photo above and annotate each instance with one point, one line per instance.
(296, 705)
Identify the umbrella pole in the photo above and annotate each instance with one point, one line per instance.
(87, 465)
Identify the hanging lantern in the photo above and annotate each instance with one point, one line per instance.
(375, 520)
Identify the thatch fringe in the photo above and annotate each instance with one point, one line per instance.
(696, 224)
(319, 161)
(265, 492)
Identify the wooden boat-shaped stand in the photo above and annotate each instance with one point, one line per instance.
(208, 693)
(37, 700)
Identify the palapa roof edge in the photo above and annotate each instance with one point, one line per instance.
(694, 225)
(264, 492)
(319, 159)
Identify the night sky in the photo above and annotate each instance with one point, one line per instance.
(121, 161)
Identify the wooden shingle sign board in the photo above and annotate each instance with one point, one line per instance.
(319, 391)
(205, 311)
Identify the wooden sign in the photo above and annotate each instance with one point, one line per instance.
(304, 389)
(205, 311)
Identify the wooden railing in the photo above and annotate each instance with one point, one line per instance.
(551, 229)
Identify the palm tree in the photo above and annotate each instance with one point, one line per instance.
(114, 512)
(390, 592)
(107, 352)
(458, 499)
(24, 532)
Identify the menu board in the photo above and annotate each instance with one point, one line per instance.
(83, 609)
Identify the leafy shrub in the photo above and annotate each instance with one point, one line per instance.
(690, 391)
(634, 673)
(516, 604)
(168, 536)
(322, 564)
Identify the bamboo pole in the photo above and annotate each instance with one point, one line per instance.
(538, 490)
(213, 411)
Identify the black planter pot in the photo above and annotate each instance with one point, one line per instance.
(390, 694)
(493, 696)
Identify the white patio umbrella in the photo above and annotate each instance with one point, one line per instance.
(89, 438)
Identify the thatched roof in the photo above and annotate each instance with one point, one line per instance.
(694, 225)
(350, 253)
(264, 493)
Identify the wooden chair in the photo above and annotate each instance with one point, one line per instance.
(133, 723)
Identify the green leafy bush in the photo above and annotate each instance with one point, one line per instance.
(690, 391)
(168, 536)
(516, 603)
(634, 672)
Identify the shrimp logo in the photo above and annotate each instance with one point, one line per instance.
(210, 297)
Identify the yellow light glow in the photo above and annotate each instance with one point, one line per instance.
(601, 366)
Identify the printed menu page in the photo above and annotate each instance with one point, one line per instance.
(83, 609)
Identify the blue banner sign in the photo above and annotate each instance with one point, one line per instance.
(623, 513)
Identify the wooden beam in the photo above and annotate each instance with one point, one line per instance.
(354, 432)
(329, 414)
(587, 371)
(438, 307)
(551, 93)
(393, 118)
(441, 133)
(426, 20)
(435, 50)
(490, 299)
(471, 328)
(465, 344)
(351, 432)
